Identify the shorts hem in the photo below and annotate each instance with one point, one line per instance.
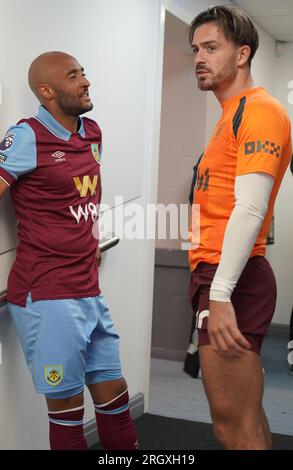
(103, 380)
(59, 390)
(103, 375)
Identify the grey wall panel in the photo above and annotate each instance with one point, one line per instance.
(172, 313)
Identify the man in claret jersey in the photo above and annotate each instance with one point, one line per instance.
(51, 163)
(233, 288)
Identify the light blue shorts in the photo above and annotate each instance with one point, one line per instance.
(67, 343)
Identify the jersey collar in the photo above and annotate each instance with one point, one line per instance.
(55, 127)
(236, 98)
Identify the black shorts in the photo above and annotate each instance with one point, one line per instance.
(254, 299)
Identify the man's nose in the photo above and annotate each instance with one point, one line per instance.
(85, 82)
(199, 57)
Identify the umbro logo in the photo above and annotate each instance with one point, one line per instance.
(59, 156)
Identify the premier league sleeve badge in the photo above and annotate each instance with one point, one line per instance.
(7, 142)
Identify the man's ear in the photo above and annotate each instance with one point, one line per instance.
(243, 54)
(45, 91)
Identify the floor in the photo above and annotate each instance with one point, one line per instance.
(175, 394)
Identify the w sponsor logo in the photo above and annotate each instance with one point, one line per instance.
(86, 185)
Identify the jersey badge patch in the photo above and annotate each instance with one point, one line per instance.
(53, 374)
(7, 142)
(96, 153)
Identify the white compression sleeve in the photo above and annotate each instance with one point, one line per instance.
(252, 194)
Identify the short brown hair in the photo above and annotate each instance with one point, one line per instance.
(236, 25)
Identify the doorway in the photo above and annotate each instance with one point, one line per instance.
(182, 139)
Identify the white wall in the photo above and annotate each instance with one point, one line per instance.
(118, 43)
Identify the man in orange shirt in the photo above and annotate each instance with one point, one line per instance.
(233, 288)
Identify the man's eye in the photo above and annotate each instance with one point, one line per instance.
(211, 48)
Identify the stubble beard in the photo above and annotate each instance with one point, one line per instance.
(212, 82)
(71, 106)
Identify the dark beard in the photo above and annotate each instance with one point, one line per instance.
(70, 106)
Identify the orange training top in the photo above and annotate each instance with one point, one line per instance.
(252, 136)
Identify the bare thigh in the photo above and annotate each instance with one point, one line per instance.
(234, 387)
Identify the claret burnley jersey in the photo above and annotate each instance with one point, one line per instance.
(253, 135)
(54, 179)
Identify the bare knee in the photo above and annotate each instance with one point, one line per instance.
(240, 434)
(224, 433)
(61, 404)
(104, 392)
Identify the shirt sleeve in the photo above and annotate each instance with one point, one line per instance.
(261, 139)
(18, 154)
(252, 195)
